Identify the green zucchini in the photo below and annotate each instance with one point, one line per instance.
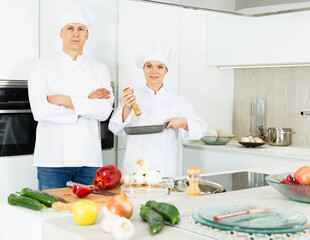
(44, 198)
(26, 202)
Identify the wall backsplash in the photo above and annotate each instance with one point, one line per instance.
(287, 93)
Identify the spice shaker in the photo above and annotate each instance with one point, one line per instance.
(135, 106)
(193, 189)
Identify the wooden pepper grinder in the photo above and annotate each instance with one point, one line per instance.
(193, 189)
(135, 106)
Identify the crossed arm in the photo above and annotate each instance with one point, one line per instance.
(64, 100)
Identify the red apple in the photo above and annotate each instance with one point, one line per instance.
(302, 175)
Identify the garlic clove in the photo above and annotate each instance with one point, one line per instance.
(123, 229)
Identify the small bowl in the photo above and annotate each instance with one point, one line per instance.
(145, 191)
(294, 192)
(217, 140)
(251, 144)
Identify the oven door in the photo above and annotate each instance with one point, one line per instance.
(17, 132)
(107, 137)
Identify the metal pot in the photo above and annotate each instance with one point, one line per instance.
(279, 136)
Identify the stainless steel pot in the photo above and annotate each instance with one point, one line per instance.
(279, 136)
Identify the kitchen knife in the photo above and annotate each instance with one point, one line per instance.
(97, 190)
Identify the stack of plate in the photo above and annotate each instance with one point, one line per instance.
(278, 220)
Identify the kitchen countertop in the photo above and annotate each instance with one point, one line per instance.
(267, 150)
(48, 224)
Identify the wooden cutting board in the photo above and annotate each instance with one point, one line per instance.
(66, 195)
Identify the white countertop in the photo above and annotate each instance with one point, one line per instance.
(48, 224)
(267, 150)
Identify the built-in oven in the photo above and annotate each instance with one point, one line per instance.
(107, 137)
(17, 126)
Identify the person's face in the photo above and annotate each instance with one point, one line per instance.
(154, 72)
(74, 36)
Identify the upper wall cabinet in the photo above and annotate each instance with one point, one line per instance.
(19, 38)
(272, 40)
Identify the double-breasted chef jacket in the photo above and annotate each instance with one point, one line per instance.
(66, 137)
(159, 149)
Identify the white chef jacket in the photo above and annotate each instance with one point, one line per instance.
(63, 139)
(159, 149)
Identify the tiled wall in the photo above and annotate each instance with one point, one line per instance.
(287, 93)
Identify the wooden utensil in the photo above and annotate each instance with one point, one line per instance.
(135, 106)
(59, 206)
(193, 189)
(249, 211)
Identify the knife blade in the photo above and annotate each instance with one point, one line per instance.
(96, 191)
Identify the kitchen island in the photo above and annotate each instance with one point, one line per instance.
(17, 222)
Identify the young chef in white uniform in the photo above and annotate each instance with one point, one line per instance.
(69, 95)
(158, 105)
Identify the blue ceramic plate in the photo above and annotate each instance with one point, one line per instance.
(274, 220)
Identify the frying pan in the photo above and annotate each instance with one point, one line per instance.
(148, 129)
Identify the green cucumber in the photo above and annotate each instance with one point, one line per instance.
(44, 198)
(26, 202)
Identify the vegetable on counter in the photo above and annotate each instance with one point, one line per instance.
(26, 202)
(81, 191)
(120, 227)
(108, 176)
(44, 198)
(120, 205)
(155, 220)
(168, 211)
(85, 212)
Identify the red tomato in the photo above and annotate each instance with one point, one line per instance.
(302, 175)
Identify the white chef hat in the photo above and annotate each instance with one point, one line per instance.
(154, 52)
(74, 13)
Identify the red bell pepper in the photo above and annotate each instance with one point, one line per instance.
(82, 191)
(107, 176)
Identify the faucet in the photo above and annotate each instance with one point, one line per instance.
(304, 113)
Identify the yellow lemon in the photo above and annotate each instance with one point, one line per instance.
(85, 212)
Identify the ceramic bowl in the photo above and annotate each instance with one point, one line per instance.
(294, 192)
(217, 140)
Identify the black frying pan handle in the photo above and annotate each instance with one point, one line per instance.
(166, 124)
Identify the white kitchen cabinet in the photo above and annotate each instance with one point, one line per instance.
(209, 161)
(218, 159)
(270, 40)
(201, 84)
(19, 46)
(16, 173)
(120, 159)
(108, 156)
(140, 26)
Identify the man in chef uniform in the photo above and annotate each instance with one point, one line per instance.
(158, 105)
(69, 95)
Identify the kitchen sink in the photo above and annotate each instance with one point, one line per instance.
(238, 180)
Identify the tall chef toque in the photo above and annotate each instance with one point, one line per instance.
(154, 52)
(74, 13)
